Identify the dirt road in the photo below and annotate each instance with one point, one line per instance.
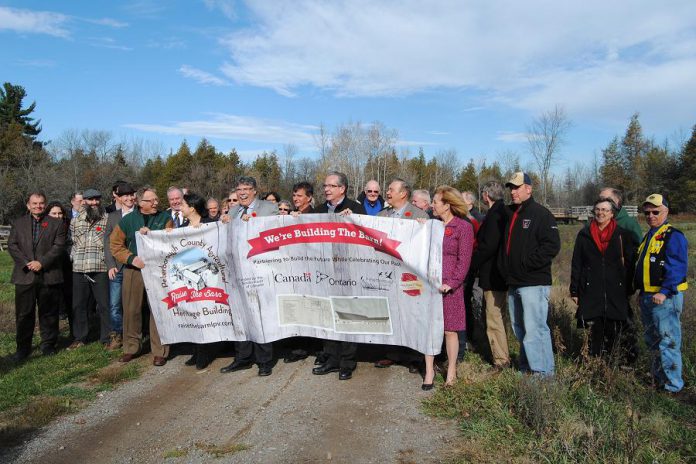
(175, 414)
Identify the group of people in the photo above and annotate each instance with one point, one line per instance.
(507, 253)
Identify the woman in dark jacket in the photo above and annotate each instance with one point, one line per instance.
(601, 276)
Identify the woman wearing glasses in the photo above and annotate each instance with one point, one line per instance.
(601, 278)
(284, 207)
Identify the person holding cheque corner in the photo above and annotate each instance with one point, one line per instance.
(457, 248)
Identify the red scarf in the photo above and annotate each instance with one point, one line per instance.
(602, 237)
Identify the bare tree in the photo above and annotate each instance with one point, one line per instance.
(545, 136)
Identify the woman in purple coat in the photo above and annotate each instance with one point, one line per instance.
(457, 247)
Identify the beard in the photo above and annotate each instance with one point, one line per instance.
(94, 213)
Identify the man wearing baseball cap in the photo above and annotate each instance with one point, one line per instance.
(530, 243)
(661, 278)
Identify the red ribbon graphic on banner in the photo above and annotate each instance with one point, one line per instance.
(323, 232)
(185, 294)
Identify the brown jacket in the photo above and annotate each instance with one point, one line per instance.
(47, 250)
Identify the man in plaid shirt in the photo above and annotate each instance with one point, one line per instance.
(90, 278)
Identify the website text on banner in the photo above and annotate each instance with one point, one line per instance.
(359, 278)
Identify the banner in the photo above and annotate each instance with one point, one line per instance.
(356, 278)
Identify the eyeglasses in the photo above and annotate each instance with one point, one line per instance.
(154, 200)
(653, 212)
(234, 200)
(602, 210)
(331, 186)
(284, 209)
(372, 191)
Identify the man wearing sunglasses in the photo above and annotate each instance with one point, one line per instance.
(661, 278)
(371, 199)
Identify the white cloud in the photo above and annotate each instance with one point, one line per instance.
(527, 54)
(202, 77)
(108, 42)
(36, 63)
(33, 22)
(234, 127)
(109, 22)
(226, 7)
(512, 137)
(437, 133)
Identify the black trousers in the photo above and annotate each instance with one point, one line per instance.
(86, 286)
(341, 354)
(260, 353)
(27, 297)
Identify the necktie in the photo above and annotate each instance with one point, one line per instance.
(177, 219)
(243, 210)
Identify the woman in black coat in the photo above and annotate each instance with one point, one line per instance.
(601, 277)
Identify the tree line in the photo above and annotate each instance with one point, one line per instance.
(89, 158)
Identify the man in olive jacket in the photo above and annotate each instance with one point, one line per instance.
(123, 247)
(36, 244)
(531, 241)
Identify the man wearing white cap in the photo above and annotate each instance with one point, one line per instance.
(530, 243)
(661, 278)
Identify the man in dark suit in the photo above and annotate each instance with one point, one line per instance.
(249, 207)
(340, 355)
(484, 262)
(175, 196)
(126, 201)
(36, 243)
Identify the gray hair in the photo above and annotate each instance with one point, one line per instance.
(247, 180)
(141, 191)
(423, 193)
(342, 178)
(469, 197)
(616, 193)
(494, 190)
(404, 186)
(174, 188)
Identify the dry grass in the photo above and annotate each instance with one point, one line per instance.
(17, 423)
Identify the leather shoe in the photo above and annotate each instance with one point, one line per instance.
(265, 370)
(237, 366)
(345, 374)
(159, 361)
(192, 360)
(127, 357)
(48, 351)
(324, 369)
(427, 386)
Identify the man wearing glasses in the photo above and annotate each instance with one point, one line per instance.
(248, 353)
(123, 247)
(340, 356)
(661, 278)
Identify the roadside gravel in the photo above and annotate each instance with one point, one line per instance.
(175, 414)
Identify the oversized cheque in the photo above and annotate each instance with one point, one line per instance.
(359, 278)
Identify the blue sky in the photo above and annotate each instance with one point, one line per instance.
(462, 75)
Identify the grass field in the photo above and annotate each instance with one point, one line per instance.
(591, 411)
(35, 392)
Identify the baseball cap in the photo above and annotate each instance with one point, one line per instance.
(656, 200)
(518, 179)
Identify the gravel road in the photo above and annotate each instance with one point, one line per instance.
(175, 414)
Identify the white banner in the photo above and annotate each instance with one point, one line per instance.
(357, 278)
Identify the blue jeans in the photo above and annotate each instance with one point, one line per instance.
(662, 332)
(529, 307)
(115, 307)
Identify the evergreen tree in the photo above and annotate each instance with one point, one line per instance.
(614, 170)
(12, 113)
(686, 199)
